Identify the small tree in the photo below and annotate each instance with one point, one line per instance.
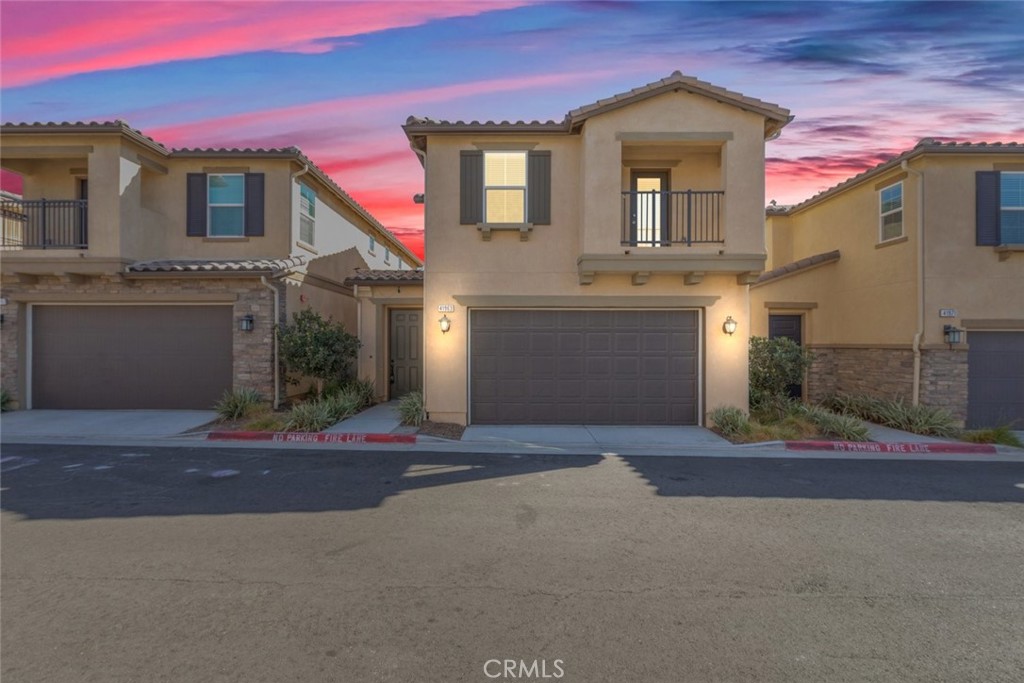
(317, 348)
(775, 365)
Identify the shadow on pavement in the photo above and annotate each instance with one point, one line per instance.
(993, 482)
(86, 482)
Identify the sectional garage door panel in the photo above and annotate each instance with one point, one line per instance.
(584, 367)
(108, 357)
(995, 379)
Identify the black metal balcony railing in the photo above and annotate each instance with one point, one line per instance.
(44, 223)
(661, 219)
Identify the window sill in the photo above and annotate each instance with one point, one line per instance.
(1006, 250)
(308, 247)
(226, 238)
(895, 240)
(522, 228)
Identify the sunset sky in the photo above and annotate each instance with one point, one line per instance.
(865, 80)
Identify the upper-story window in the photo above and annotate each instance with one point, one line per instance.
(387, 256)
(508, 187)
(373, 244)
(307, 215)
(891, 212)
(224, 205)
(1011, 207)
(505, 187)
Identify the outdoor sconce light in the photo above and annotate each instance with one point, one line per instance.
(246, 323)
(729, 326)
(951, 335)
(445, 323)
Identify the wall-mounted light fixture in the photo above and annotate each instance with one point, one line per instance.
(246, 323)
(729, 326)
(951, 335)
(445, 323)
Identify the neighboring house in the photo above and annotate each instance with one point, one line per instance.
(581, 271)
(908, 280)
(139, 277)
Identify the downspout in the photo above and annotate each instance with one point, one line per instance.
(277, 320)
(919, 333)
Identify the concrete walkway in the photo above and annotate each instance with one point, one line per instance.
(889, 435)
(380, 419)
(102, 423)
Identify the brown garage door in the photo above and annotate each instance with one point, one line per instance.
(130, 356)
(583, 367)
(995, 379)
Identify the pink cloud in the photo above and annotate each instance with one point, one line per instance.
(45, 40)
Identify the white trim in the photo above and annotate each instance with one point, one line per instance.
(210, 205)
(525, 187)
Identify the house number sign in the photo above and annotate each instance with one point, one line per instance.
(947, 312)
(446, 308)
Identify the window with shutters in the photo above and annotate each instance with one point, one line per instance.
(891, 212)
(307, 215)
(505, 187)
(225, 204)
(1011, 207)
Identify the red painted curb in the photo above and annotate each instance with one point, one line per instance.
(874, 447)
(311, 437)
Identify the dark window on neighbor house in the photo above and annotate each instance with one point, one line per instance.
(890, 222)
(1011, 207)
(387, 256)
(999, 204)
(307, 215)
(505, 187)
(373, 244)
(224, 204)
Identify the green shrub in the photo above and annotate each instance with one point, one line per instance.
(5, 401)
(364, 389)
(775, 365)
(313, 346)
(774, 408)
(730, 421)
(266, 423)
(895, 413)
(344, 404)
(311, 416)
(836, 425)
(410, 408)
(1000, 435)
(236, 404)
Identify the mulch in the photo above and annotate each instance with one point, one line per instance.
(443, 430)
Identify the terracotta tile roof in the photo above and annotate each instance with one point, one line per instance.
(254, 266)
(294, 153)
(795, 266)
(776, 116)
(925, 146)
(385, 277)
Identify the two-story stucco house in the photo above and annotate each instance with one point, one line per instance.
(593, 270)
(135, 276)
(908, 280)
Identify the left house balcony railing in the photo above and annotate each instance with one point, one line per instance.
(44, 224)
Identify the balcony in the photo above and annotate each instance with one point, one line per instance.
(44, 224)
(663, 218)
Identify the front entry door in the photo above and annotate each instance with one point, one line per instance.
(406, 353)
(650, 209)
(788, 326)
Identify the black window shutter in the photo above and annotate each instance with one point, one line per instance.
(254, 204)
(195, 212)
(538, 193)
(471, 183)
(987, 207)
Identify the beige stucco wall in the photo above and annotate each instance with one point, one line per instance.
(870, 296)
(374, 303)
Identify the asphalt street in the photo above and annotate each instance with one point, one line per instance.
(202, 564)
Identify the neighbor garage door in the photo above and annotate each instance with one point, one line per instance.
(995, 384)
(130, 356)
(584, 367)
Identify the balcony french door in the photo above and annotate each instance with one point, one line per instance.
(649, 208)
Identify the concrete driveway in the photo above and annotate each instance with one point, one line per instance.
(30, 424)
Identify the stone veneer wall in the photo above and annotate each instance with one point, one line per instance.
(252, 352)
(889, 373)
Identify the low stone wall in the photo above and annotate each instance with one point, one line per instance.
(252, 352)
(889, 373)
